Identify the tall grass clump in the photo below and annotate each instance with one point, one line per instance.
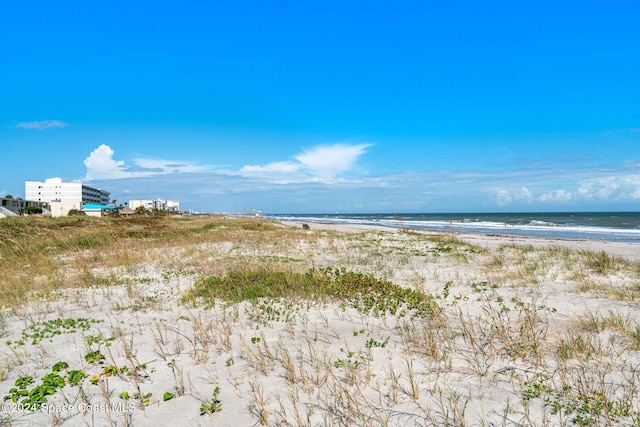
(360, 291)
(601, 262)
(238, 286)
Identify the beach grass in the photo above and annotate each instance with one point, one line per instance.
(286, 326)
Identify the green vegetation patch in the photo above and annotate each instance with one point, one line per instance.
(32, 397)
(584, 405)
(601, 262)
(51, 328)
(222, 223)
(238, 286)
(358, 290)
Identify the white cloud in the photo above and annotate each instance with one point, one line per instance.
(169, 166)
(557, 196)
(285, 172)
(42, 124)
(427, 191)
(323, 163)
(328, 161)
(624, 187)
(102, 166)
(280, 167)
(503, 198)
(525, 195)
(325, 178)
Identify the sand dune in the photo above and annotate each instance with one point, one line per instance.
(528, 332)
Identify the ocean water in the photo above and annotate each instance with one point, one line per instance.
(606, 226)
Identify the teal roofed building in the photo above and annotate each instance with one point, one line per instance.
(92, 209)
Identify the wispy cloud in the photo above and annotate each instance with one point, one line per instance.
(102, 166)
(42, 124)
(427, 191)
(326, 179)
(328, 161)
(169, 166)
(275, 167)
(552, 160)
(323, 163)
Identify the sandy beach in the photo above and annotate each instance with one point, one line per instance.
(629, 251)
(505, 331)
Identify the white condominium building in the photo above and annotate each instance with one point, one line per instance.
(159, 204)
(64, 196)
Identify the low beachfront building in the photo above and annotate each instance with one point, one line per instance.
(64, 196)
(13, 207)
(92, 209)
(158, 205)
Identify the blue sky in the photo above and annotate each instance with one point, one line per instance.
(327, 106)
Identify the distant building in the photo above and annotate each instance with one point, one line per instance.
(12, 207)
(159, 204)
(91, 209)
(64, 196)
(173, 205)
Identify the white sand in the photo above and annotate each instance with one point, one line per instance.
(346, 368)
(629, 251)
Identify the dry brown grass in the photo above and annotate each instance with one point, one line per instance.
(39, 255)
(491, 333)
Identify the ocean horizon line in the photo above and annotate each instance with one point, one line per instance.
(610, 226)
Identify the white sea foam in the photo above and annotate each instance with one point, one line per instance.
(532, 228)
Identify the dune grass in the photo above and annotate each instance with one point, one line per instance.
(438, 331)
(39, 254)
(361, 291)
